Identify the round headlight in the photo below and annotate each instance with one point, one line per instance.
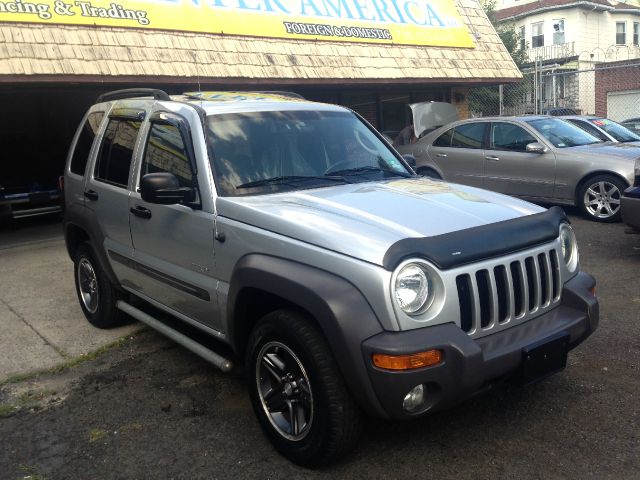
(412, 288)
(569, 247)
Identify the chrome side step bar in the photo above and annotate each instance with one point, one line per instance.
(222, 363)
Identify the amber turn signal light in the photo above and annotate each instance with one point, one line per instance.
(407, 362)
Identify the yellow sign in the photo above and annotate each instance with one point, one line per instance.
(408, 22)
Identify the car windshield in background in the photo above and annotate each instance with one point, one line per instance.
(562, 134)
(264, 152)
(617, 131)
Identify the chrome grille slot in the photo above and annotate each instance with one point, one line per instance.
(509, 292)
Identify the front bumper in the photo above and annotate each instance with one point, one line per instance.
(470, 365)
(630, 207)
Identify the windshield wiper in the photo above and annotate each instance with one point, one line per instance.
(291, 178)
(369, 169)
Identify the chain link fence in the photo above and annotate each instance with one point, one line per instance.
(607, 89)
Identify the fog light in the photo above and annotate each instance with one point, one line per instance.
(414, 400)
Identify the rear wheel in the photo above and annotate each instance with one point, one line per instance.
(297, 392)
(599, 198)
(96, 293)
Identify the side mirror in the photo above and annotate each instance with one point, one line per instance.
(164, 189)
(410, 159)
(536, 147)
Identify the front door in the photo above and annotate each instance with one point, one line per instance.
(173, 244)
(510, 169)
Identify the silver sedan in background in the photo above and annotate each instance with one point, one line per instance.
(604, 129)
(540, 158)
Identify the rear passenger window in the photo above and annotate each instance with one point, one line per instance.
(444, 140)
(166, 152)
(116, 151)
(85, 140)
(469, 135)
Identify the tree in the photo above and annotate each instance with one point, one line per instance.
(486, 100)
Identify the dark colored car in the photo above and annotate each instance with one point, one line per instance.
(558, 111)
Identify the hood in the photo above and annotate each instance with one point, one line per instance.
(363, 220)
(431, 115)
(629, 151)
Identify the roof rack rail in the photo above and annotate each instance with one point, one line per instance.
(200, 95)
(132, 93)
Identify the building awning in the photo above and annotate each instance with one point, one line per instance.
(40, 52)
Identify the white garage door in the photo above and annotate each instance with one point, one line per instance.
(623, 105)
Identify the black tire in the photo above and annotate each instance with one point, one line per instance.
(331, 421)
(100, 310)
(598, 198)
(429, 172)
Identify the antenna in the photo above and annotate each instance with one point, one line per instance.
(195, 60)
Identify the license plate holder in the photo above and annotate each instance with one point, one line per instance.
(544, 358)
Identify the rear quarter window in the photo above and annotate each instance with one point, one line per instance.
(85, 141)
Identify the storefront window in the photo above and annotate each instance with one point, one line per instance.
(395, 113)
(364, 104)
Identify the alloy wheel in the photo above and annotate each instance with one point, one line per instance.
(284, 391)
(88, 285)
(602, 199)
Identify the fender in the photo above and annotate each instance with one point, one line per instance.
(85, 219)
(339, 308)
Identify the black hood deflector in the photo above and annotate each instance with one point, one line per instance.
(478, 243)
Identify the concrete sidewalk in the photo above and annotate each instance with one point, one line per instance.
(41, 324)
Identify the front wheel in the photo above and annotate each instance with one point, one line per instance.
(297, 392)
(599, 198)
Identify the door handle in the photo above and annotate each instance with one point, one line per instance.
(141, 212)
(91, 195)
(492, 158)
(441, 155)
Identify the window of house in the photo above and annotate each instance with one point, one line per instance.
(116, 151)
(522, 37)
(636, 33)
(85, 140)
(621, 33)
(558, 31)
(166, 153)
(537, 34)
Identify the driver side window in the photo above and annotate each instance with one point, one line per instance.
(507, 136)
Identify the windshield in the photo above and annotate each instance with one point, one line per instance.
(616, 130)
(562, 134)
(265, 152)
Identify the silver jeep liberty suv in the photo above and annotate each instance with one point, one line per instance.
(294, 233)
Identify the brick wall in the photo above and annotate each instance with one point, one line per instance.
(624, 77)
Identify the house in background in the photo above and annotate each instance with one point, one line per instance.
(568, 42)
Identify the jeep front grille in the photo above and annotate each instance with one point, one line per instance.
(515, 291)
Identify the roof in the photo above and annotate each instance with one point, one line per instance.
(43, 52)
(513, 13)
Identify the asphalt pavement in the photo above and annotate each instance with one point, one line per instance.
(147, 408)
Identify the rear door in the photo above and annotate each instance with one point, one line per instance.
(174, 244)
(511, 169)
(107, 189)
(459, 153)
